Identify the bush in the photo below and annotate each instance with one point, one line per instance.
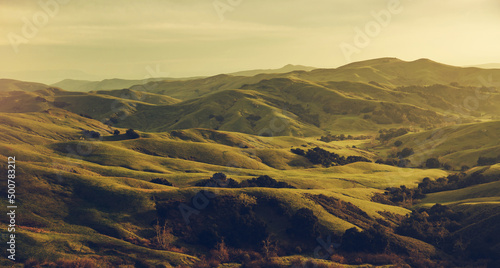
(405, 153)
(398, 143)
(116, 132)
(161, 181)
(90, 134)
(219, 180)
(432, 163)
(131, 134)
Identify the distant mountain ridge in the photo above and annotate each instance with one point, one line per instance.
(117, 83)
(285, 69)
(358, 97)
(487, 66)
(16, 85)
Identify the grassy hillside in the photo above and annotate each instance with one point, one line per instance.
(88, 192)
(15, 85)
(139, 96)
(96, 195)
(456, 145)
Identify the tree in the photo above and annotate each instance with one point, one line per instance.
(304, 224)
(432, 163)
(405, 153)
(116, 132)
(91, 134)
(131, 134)
(398, 143)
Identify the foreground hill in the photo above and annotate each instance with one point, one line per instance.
(87, 185)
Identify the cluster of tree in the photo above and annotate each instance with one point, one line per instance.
(161, 181)
(435, 163)
(487, 161)
(233, 229)
(234, 220)
(401, 196)
(222, 181)
(455, 181)
(341, 137)
(91, 134)
(373, 240)
(432, 225)
(400, 161)
(323, 157)
(387, 134)
(304, 225)
(394, 162)
(406, 152)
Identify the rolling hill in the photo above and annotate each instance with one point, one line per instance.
(456, 145)
(90, 192)
(16, 85)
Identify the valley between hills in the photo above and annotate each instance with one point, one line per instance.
(379, 163)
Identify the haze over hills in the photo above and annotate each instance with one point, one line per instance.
(107, 84)
(342, 155)
(16, 85)
(488, 66)
(285, 69)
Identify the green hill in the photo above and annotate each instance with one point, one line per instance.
(89, 192)
(456, 145)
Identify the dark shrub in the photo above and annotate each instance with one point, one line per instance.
(131, 134)
(432, 163)
(304, 224)
(265, 181)
(405, 153)
(161, 181)
(90, 134)
(219, 180)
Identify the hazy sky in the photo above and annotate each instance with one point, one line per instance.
(136, 39)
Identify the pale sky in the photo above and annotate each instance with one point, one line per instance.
(96, 39)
